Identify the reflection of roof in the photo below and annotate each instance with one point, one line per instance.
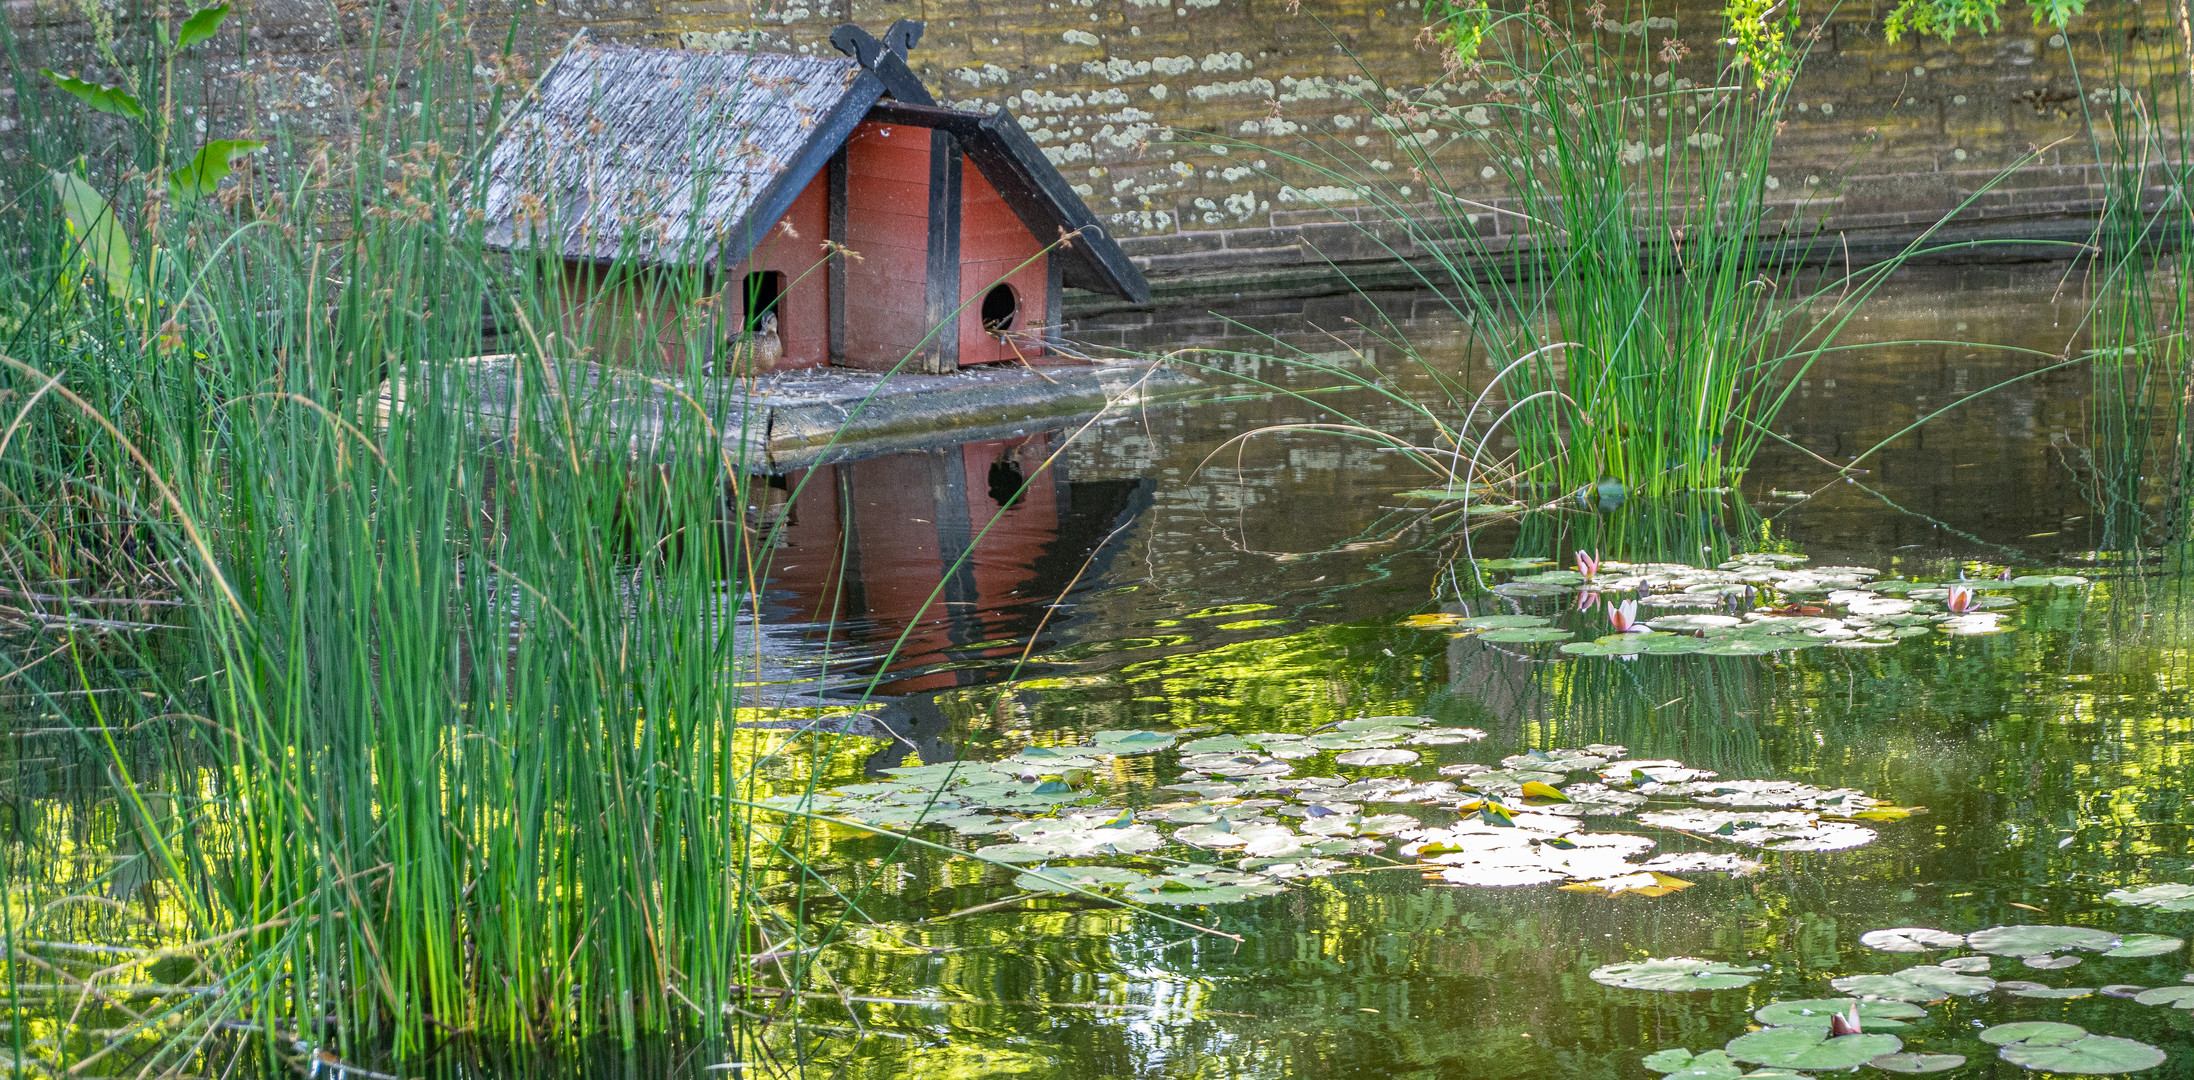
(660, 154)
(669, 156)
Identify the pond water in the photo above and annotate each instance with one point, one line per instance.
(1161, 577)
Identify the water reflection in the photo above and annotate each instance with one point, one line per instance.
(938, 567)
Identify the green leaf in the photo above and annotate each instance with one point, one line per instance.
(1816, 1013)
(202, 24)
(1502, 622)
(1676, 973)
(2169, 897)
(2038, 1032)
(2089, 1055)
(2135, 945)
(106, 99)
(2024, 941)
(92, 225)
(205, 172)
(1810, 1048)
(1669, 1060)
(1918, 1063)
(2178, 997)
(1526, 635)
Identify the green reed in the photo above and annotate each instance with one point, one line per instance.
(435, 738)
(1635, 281)
(2139, 458)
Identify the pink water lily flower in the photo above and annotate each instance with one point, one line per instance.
(1588, 564)
(1624, 617)
(1960, 599)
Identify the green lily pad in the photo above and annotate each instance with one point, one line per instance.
(2090, 1055)
(1527, 635)
(1202, 885)
(2025, 941)
(1525, 589)
(1555, 577)
(2039, 1032)
(1378, 757)
(2178, 997)
(1132, 742)
(1918, 1063)
(1676, 973)
(1218, 744)
(1712, 1065)
(1817, 1012)
(1910, 939)
(2168, 897)
(1513, 564)
(2133, 945)
(1071, 879)
(1810, 1048)
(1927, 982)
(1503, 622)
(2055, 993)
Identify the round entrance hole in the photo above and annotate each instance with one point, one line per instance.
(1001, 309)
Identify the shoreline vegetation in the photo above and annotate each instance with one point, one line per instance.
(392, 743)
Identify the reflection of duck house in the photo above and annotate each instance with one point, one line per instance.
(639, 165)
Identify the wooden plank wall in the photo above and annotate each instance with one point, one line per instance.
(993, 242)
(803, 313)
(887, 223)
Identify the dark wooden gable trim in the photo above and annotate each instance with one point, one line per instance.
(840, 182)
(1034, 190)
(829, 136)
(942, 355)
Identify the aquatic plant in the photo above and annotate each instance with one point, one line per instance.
(1637, 287)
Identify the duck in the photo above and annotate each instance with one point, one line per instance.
(753, 354)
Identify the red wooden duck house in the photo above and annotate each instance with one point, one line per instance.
(749, 209)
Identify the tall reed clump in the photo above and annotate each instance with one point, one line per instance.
(2140, 458)
(432, 737)
(1633, 283)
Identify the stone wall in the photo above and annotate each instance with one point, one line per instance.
(1125, 96)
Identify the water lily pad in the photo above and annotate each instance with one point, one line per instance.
(1966, 965)
(1502, 622)
(1377, 757)
(1132, 742)
(1911, 939)
(1527, 635)
(1917, 1063)
(2178, 997)
(2133, 945)
(1529, 589)
(1202, 885)
(1694, 622)
(2052, 993)
(2050, 963)
(1073, 879)
(2091, 1055)
(2170, 897)
(1514, 564)
(1810, 1048)
(2040, 1032)
(1927, 982)
(2123, 990)
(1682, 1064)
(1217, 744)
(1677, 973)
(1817, 1012)
(2025, 941)
(1555, 577)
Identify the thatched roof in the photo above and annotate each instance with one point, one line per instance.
(660, 154)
